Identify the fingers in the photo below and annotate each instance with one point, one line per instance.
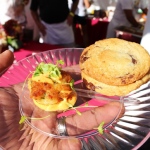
(48, 143)
(76, 124)
(69, 144)
(45, 120)
(70, 20)
(9, 112)
(6, 97)
(6, 59)
(88, 120)
(27, 137)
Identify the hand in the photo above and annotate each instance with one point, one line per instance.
(6, 59)
(70, 20)
(27, 136)
(42, 28)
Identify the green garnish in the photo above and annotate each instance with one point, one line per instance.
(50, 69)
(72, 84)
(55, 72)
(86, 104)
(22, 119)
(59, 62)
(100, 128)
(77, 111)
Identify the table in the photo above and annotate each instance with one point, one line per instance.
(31, 48)
(130, 34)
(97, 29)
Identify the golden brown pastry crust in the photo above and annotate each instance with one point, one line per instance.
(115, 62)
(52, 96)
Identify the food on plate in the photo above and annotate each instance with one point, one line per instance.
(92, 119)
(51, 88)
(114, 66)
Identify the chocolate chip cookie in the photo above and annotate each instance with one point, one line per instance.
(116, 63)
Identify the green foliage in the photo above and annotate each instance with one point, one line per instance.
(14, 43)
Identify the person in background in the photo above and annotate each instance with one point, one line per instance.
(124, 15)
(54, 20)
(13, 9)
(80, 19)
(104, 4)
(31, 26)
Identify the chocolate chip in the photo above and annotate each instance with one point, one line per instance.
(134, 61)
(131, 76)
(84, 58)
(123, 80)
(89, 84)
(85, 81)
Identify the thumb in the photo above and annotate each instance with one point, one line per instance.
(6, 59)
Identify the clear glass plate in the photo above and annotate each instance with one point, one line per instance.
(128, 132)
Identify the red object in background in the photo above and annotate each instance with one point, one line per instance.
(32, 47)
(129, 37)
(96, 30)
